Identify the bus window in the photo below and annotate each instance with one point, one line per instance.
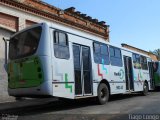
(155, 66)
(104, 50)
(115, 56)
(111, 51)
(63, 39)
(97, 48)
(100, 53)
(25, 43)
(61, 47)
(144, 63)
(136, 61)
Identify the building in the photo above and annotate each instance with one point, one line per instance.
(15, 15)
(154, 57)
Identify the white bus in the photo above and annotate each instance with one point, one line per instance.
(48, 59)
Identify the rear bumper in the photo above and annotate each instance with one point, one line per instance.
(44, 89)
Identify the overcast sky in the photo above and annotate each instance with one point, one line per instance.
(134, 22)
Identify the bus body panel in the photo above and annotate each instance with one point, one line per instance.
(32, 75)
(63, 81)
(62, 72)
(117, 79)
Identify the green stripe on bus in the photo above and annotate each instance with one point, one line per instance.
(66, 83)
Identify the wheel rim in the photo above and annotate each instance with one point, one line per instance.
(103, 93)
(145, 88)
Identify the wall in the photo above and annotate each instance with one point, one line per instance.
(3, 75)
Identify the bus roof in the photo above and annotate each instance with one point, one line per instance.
(75, 31)
(30, 27)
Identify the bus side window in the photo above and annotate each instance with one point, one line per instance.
(155, 66)
(61, 46)
(144, 63)
(136, 61)
(115, 56)
(101, 55)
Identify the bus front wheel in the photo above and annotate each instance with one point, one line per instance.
(145, 89)
(103, 94)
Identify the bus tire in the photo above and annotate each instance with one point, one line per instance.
(19, 98)
(103, 94)
(145, 89)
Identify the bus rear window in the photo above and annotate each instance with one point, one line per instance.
(25, 43)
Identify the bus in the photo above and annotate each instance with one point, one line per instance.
(48, 60)
(154, 68)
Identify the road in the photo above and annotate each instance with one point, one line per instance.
(118, 107)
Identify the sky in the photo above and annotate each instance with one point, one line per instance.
(134, 22)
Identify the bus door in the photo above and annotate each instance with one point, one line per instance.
(151, 74)
(82, 70)
(128, 73)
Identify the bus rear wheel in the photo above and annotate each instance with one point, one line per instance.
(145, 89)
(103, 94)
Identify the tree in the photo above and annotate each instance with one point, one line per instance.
(157, 53)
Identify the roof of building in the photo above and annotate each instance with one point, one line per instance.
(153, 56)
(123, 44)
(68, 16)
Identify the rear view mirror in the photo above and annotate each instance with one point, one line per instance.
(6, 52)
